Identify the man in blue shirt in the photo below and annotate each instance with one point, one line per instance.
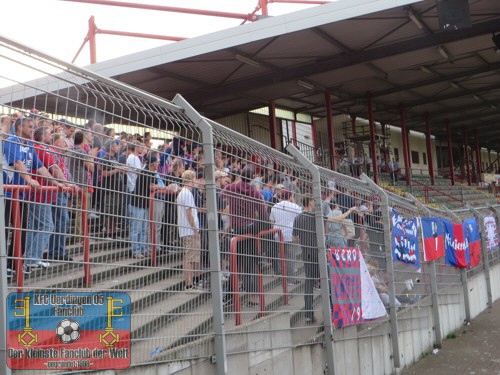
(23, 162)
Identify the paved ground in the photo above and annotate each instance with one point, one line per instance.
(474, 351)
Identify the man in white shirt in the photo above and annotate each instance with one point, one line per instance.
(283, 216)
(134, 166)
(187, 220)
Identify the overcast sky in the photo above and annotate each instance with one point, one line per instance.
(58, 27)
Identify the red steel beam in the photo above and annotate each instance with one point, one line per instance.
(466, 146)
(373, 140)
(404, 139)
(331, 135)
(428, 144)
(169, 9)
(92, 43)
(140, 35)
(313, 2)
(450, 153)
(478, 158)
(273, 126)
(263, 7)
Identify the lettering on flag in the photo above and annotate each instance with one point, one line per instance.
(345, 278)
(405, 240)
(433, 238)
(456, 249)
(491, 235)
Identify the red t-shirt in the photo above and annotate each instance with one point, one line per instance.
(45, 155)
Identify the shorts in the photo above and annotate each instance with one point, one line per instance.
(192, 248)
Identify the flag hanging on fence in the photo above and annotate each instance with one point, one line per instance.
(473, 241)
(433, 238)
(372, 306)
(345, 278)
(457, 254)
(491, 235)
(405, 240)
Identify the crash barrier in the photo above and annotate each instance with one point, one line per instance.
(229, 259)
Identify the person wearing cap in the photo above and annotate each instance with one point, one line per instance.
(112, 186)
(139, 208)
(282, 216)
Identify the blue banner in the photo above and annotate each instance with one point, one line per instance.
(405, 240)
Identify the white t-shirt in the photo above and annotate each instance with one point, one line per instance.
(133, 164)
(283, 216)
(185, 200)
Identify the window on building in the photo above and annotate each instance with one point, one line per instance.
(424, 158)
(415, 158)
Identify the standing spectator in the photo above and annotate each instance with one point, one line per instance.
(304, 232)
(283, 215)
(174, 181)
(134, 167)
(23, 161)
(54, 163)
(247, 216)
(189, 226)
(112, 186)
(80, 163)
(139, 209)
(5, 125)
(69, 133)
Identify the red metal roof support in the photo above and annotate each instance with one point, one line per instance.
(315, 140)
(91, 38)
(386, 151)
(353, 126)
(273, 126)
(450, 153)
(466, 147)
(263, 7)
(330, 127)
(404, 140)
(373, 140)
(430, 162)
(478, 158)
(294, 129)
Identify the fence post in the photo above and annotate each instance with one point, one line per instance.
(323, 265)
(465, 280)
(484, 252)
(213, 232)
(434, 284)
(3, 278)
(386, 219)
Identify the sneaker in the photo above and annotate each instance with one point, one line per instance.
(191, 288)
(10, 273)
(138, 256)
(43, 264)
(310, 320)
(28, 268)
(93, 216)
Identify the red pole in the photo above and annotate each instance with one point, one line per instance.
(92, 42)
(404, 139)
(373, 148)
(260, 280)
(263, 7)
(467, 166)
(87, 277)
(235, 279)
(140, 35)
(330, 127)
(18, 246)
(283, 266)
(478, 158)
(152, 229)
(273, 126)
(450, 154)
(294, 129)
(428, 144)
(169, 9)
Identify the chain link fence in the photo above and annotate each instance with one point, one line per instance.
(223, 245)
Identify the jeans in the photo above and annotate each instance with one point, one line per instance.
(138, 229)
(41, 226)
(60, 215)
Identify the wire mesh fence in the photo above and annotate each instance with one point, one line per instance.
(201, 234)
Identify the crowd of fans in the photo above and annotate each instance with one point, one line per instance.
(129, 185)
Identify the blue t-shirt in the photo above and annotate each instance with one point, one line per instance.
(15, 150)
(267, 194)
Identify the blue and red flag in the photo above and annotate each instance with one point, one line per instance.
(405, 240)
(433, 235)
(345, 277)
(473, 241)
(457, 253)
